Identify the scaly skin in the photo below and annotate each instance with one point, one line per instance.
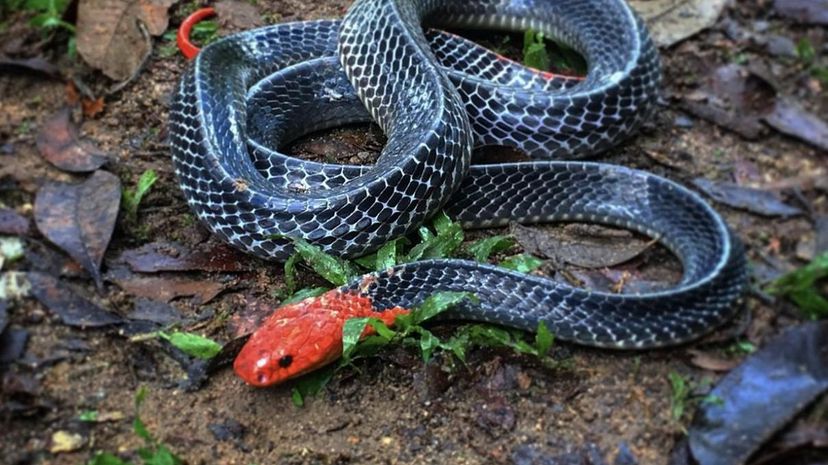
(305, 336)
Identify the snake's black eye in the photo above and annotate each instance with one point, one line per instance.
(285, 361)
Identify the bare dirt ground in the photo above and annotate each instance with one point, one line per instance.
(500, 408)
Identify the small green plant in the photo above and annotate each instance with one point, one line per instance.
(153, 453)
(191, 344)
(131, 198)
(805, 50)
(442, 240)
(684, 396)
(534, 50)
(802, 287)
(482, 249)
(807, 54)
(48, 17)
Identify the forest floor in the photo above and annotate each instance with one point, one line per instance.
(595, 407)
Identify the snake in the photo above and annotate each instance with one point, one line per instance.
(437, 96)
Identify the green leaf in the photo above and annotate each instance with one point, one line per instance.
(805, 50)
(681, 393)
(351, 334)
(310, 385)
(132, 198)
(382, 329)
(801, 287)
(297, 398)
(290, 274)
(205, 32)
(483, 248)
(140, 429)
(105, 458)
(428, 343)
(335, 270)
(438, 303)
(90, 416)
(140, 396)
(192, 344)
(448, 238)
(534, 50)
(305, 293)
(386, 256)
(522, 263)
(543, 340)
(162, 456)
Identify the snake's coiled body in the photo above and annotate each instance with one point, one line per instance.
(437, 96)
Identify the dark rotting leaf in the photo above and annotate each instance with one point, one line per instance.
(779, 381)
(72, 309)
(804, 11)
(4, 314)
(60, 144)
(12, 344)
(35, 65)
(228, 430)
(13, 223)
(154, 311)
(753, 200)
(791, 119)
(80, 218)
(160, 256)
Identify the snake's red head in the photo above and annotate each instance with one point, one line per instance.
(302, 337)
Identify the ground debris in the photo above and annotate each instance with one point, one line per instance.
(170, 256)
(757, 201)
(13, 223)
(804, 11)
(80, 218)
(792, 370)
(60, 144)
(72, 309)
(111, 33)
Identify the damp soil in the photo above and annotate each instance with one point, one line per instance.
(498, 408)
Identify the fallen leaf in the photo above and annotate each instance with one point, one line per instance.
(791, 119)
(753, 200)
(238, 15)
(167, 289)
(587, 246)
(36, 64)
(13, 223)
(72, 309)
(735, 98)
(495, 416)
(154, 311)
(91, 107)
(65, 441)
(110, 36)
(171, 256)
(779, 381)
(252, 312)
(4, 314)
(59, 143)
(708, 361)
(80, 218)
(12, 344)
(671, 21)
(804, 11)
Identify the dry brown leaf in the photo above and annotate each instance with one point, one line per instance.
(671, 21)
(80, 218)
(110, 38)
(60, 144)
(166, 289)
